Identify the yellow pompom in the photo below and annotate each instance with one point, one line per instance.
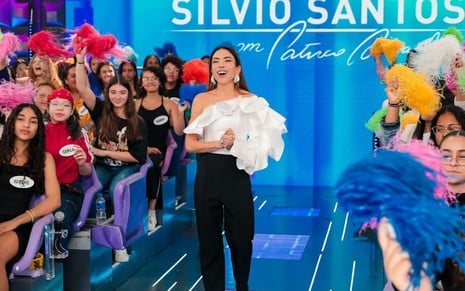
(376, 48)
(389, 47)
(415, 92)
(410, 117)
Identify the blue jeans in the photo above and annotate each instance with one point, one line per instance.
(108, 177)
(71, 203)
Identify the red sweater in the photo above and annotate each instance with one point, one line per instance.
(60, 146)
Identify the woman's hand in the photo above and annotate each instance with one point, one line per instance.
(397, 262)
(153, 151)
(98, 152)
(393, 92)
(80, 53)
(227, 139)
(456, 65)
(79, 155)
(183, 106)
(4, 63)
(8, 225)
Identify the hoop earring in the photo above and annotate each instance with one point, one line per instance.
(212, 80)
(236, 79)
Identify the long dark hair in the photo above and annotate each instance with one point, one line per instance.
(135, 80)
(15, 65)
(73, 125)
(158, 72)
(242, 84)
(63, 72)
(36, 148)
(99, 68)
(146, 60)
(108, 126)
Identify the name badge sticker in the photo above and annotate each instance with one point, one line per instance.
(21, 182)
(83, 111)
(67, 150)
(160, 120)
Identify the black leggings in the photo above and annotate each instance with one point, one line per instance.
(223, 197)
(153, 181)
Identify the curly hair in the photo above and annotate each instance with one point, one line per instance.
(108, 126)
(177, 62)
(158, 72)
(36, 147)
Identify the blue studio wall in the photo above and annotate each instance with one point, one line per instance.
(308, 58)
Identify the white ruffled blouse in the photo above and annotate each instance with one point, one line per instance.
(257, 127)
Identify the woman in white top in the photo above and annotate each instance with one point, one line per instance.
(233, 131)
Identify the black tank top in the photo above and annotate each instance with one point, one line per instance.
(158, 123)
(16, 190)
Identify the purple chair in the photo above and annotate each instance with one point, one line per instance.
(130, 209)
(184, 159)
(91, 185)
(20, 268)
(171, 146)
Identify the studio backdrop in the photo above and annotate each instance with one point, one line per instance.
(309, 58)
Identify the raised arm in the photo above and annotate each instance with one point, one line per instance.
(397, 264)
(176, 112)
(82, 80)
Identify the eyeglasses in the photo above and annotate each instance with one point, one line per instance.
(447, 158)
(149, 79)
(171, 70)
(65, 105)
(438, 129)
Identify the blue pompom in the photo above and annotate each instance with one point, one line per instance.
(395, 185)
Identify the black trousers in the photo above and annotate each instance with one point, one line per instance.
(223, 198)
(153, 181)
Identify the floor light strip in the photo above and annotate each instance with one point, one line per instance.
(169, 270)
(314, 273)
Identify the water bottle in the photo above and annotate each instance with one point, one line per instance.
(49, 261)
(101, 214)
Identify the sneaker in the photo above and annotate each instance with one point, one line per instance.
(121, 256)
(152, 222)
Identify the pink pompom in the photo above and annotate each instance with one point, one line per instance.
(9, 44)
(12, 94)
(430, 156)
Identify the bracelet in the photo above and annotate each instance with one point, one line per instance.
(30, 215)
(398, 104)
(33, 213)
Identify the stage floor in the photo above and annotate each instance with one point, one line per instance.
(303, 241)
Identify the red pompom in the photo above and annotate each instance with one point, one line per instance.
(195, 71)
(46, 43)
(99, 46)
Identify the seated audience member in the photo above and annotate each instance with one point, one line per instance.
(70, 149)
(27, 170)
(120, 146)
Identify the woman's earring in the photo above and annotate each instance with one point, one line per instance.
(212, 80)
(236, 79)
